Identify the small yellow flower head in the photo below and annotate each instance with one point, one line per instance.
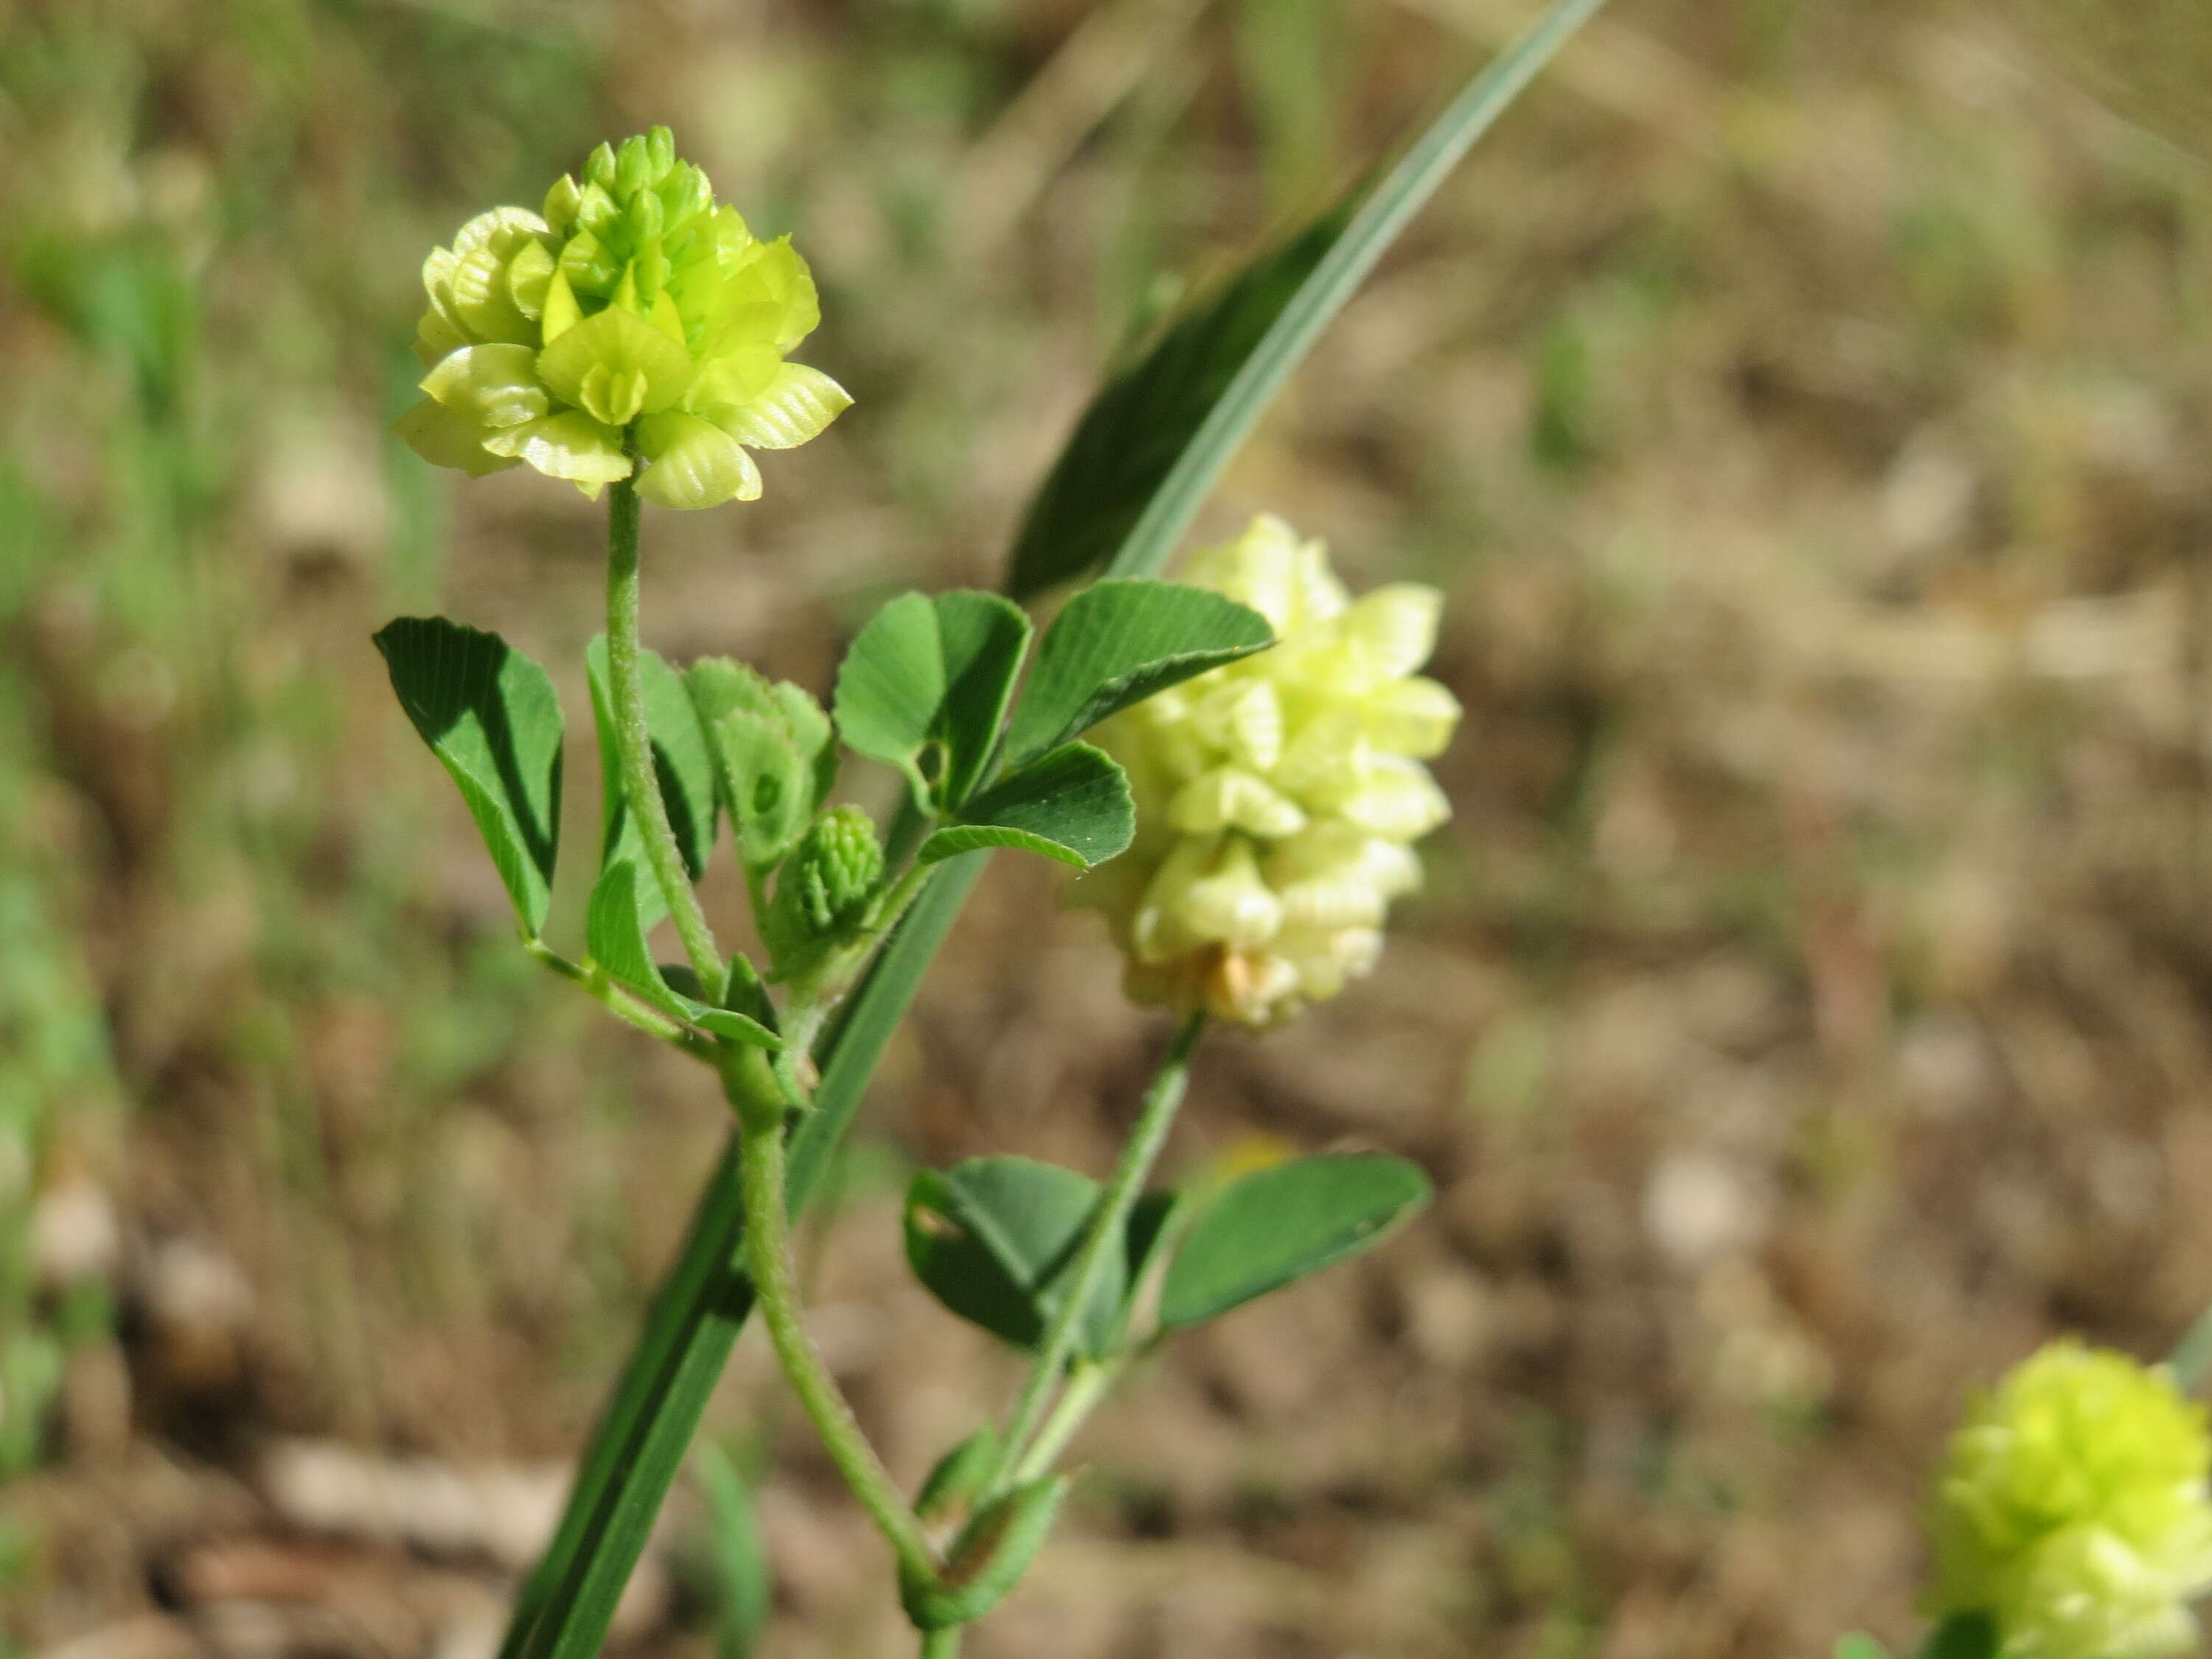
(2074, 1508)
(636, 320)
(1278, 798)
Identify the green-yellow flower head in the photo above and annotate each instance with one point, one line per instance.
(2073, 1510)
(1278, 798)
(635, 322)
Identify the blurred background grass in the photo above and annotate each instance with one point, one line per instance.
(1804, 403)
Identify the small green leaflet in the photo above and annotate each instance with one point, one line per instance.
(679, 759)
(1072, 804)
(989, 1236)
(925, 685)
(1118, 642)
(491, 716)
(774, 758)
(616, 937)
(1265, 1230)
(1859, 1645)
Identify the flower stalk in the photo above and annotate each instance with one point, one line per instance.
(768, 1255)
(1155, 1117)
(634, 742)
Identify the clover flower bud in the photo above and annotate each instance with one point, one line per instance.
(2074, 1508)
(825, 887)
(1278, 797)
(636, 320)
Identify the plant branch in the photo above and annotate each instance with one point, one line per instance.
(768, 1253)
(634, 742)
(594, 981)
(1154, 1118)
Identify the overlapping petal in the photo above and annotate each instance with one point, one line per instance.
(634, 319)
(1278, 798)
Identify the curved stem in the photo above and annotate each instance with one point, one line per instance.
(1154, 1118)
(634, 741)
(768, 1253)
(592, 981)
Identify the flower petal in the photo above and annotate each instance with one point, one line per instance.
(504, 227)
(529, 273)
(797, 403)
(570, 444)
(481, 299)
(494, 386)
(694, 463)
(445, 437)
(1395, 627)
(615, 367)
(773, 275)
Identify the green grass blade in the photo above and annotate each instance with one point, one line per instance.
(850, 1056)
(1130, 413)
(565, 1607)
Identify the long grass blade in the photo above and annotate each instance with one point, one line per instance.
(1160, 432)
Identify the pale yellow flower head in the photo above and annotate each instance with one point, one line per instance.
(1279, 798)
(634, 322)
(2073, 1510)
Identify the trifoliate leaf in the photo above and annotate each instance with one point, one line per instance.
(993, 1239)
(925, 688)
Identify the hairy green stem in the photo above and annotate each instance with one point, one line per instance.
(768, 1255)
(1154, 1118)
(634, 742)
(941, 1643)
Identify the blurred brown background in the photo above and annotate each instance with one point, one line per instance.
(1805, 404)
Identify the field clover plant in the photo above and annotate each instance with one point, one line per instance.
(1232, 761)
(631, 340)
